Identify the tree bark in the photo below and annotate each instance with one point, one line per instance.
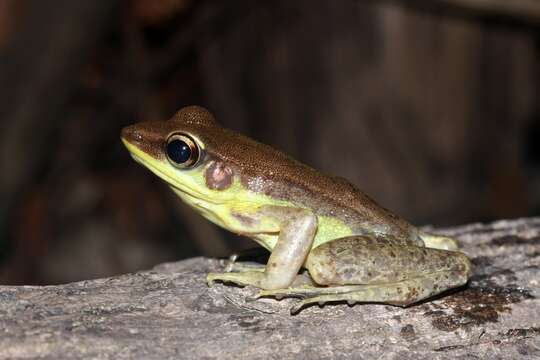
(169, 312)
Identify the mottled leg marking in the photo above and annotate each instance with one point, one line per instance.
(297, 230)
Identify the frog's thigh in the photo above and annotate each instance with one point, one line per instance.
(366, 260)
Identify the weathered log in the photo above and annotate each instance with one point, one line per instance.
(169, 312)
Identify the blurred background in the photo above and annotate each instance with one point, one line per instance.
(431, 107)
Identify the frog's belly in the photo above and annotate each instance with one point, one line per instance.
(267, 234)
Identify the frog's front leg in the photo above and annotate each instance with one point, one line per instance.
(297, 229)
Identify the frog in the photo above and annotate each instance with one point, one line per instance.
(329, 242)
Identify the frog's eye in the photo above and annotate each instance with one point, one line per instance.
(182, 151)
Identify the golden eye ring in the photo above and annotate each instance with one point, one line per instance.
(182, 151)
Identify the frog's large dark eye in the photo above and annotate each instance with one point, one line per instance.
(182, 151)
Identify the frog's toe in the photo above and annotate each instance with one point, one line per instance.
(244, 267)
(211, 278)
(306, 302)
(321, 300)
(278, 294)
(252, 278)
(229, 263)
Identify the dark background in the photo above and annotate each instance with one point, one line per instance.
(430, 107)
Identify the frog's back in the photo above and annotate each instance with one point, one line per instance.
(264, 169)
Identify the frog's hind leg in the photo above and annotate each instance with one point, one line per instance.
(403, 293)
(373, 269)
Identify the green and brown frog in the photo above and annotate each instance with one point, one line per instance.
(353, 249)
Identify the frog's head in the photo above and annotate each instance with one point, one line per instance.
(191, 152)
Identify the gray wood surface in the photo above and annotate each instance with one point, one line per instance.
(169, 312)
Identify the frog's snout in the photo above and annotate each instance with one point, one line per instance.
(143, 139)
(131, 135)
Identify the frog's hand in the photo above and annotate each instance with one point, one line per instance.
(297, 228)
(439, 242)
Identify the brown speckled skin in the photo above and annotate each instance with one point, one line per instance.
(269, 171)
